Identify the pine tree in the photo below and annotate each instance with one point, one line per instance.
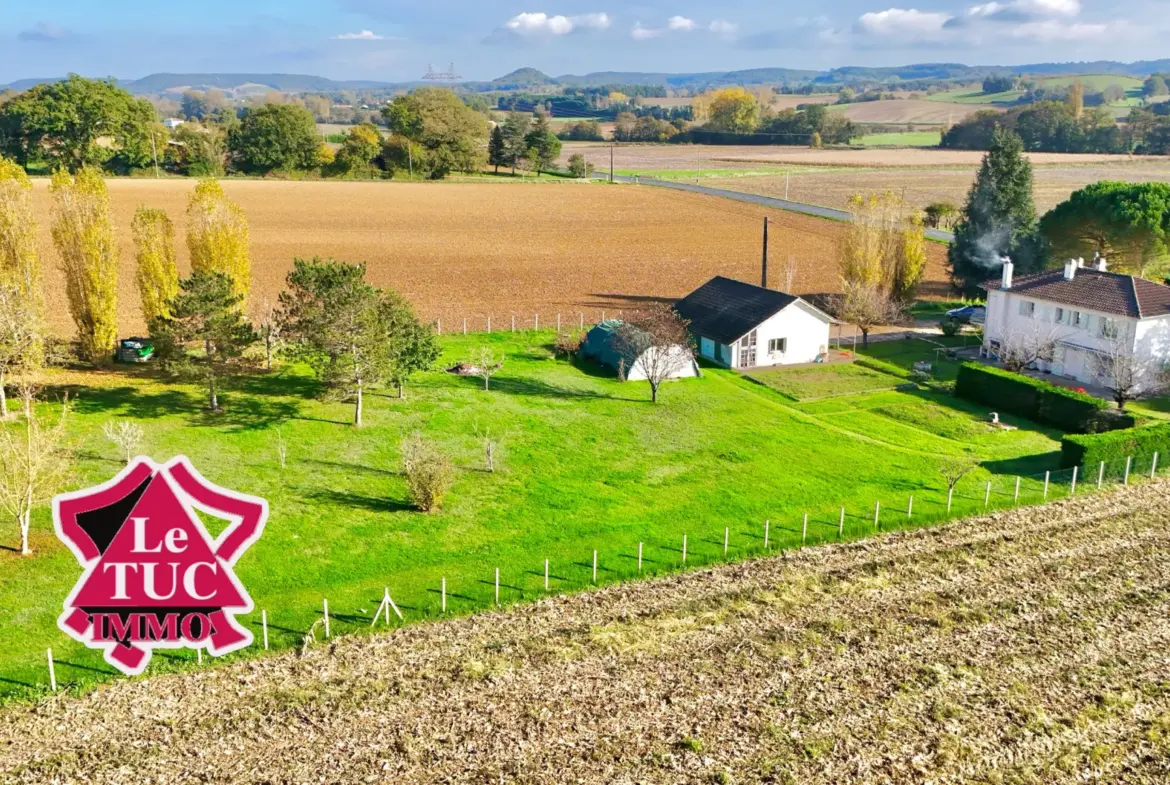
(157, 276)
(217, 236)
(999, 218)
(497, 149)
(516, 128)
(84, 237)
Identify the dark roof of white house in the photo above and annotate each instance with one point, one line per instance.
(725, 310)
(1098, 290)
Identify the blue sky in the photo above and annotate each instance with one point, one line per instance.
(393, 40)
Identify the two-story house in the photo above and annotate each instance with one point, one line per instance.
(1087, 313)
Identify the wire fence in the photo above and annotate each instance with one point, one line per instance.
(527, 322)
(602, 561)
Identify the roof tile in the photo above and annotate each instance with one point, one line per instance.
(1098, 290)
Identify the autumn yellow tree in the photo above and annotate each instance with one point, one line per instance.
(84, 237)
(157, 276)
(731, 109)
(217, 236)
(884, 245)
(18, 244)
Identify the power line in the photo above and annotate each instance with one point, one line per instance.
(441, 76)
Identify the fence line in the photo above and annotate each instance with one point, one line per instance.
(814, 526)
(526, 322)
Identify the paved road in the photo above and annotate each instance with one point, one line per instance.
(766, 201)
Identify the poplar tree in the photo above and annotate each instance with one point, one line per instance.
(84, 237)
(217, 236)
(157, 276)
(18, 242)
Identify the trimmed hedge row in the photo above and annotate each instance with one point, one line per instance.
(1038, 400)
(1090, 449)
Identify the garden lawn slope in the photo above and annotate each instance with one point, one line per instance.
(584, 462)
(1027, 647)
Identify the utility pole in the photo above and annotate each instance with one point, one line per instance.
(611, 163)
(764, 265)
(154, 148)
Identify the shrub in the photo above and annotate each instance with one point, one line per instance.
(568, 343)
(1037, 400)
(1139, 443)
(950, 327)
(428, 473)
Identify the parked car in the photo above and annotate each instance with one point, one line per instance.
(134, 350)
(968, 314)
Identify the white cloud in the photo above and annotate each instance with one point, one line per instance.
(1051, 30)
(907, 23)
(680, 23)
(640, 33)
(364, 35)
(540, 23)
(723, 27)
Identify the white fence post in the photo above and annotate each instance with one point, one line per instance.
(726, 537)
(546, 574)
(465, 325)
(536, 322)
(199, 656)
(1072, 491)
(325, 608)
(439, 326)
(1100, 475)
(1046, 476)
(639, 557)
(1128, 461)
(950, 495)
(910, 507)
(766, 524)
(390, 606)
(595, 566)
(684, 549)
(841, 524)
(558, 322)
(497, 585)
(443, 595)
(52, 672)
(987, 495)
(1016, 497)
(877, 513)
(264, 627)
(1154, 465)
(513, 322)
(581, 319)
(804, 530)
(489, 324)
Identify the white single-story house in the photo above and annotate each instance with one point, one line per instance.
(1086, 312)
(740, 325)
(172, 122)
(600, 346)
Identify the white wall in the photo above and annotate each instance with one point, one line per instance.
(807, 334)
(1146, 337)
(683, 364)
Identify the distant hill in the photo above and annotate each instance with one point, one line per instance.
(523, 77)
(286, 83)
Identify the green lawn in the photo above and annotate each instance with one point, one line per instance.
(585, 463)
(968, 96)
(905, 353)
(908, 139)
(822, 381)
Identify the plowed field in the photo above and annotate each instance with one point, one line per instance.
(470, 250)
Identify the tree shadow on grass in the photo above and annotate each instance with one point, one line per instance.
(354, 467)
(80, 667)
(128, 401)
(1025, 465)
(359, 501)
(17, 682)
(536, 388)
(502, 585)
(451, 594)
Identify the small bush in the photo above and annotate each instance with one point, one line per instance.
(1037, 400)
(1114, 447)
(428, 473)
(568, 343)
(950, 327)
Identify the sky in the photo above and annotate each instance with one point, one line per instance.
(393, 40)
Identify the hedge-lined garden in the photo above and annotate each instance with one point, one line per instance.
(1038, 400)
(1138, 443)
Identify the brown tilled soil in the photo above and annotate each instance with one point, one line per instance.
(471, 250)
(1024, 647)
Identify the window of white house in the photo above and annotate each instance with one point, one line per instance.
(778, 345)
(1078, 318)
(1027, 309)
(1108, 327)
(1060, 315)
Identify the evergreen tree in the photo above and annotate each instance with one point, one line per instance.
(516, 129)
(542, 145)
(497, 149)
(999, 218)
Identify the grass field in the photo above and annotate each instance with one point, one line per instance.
(1025, 647)
(824, 381)
(976, 96)
(488, 248)
(909, 139)
(584, 463)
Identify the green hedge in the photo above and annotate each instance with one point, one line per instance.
(1038, 400)
(1138, 443)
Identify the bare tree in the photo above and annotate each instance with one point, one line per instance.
(490, 447)
(1021, 348)
(268, 326)
(35, 461)
(281, 447)
(866, 304)
(790, 271)
(126, 435)
(485, 363)
(20, 338)
(1127, 375)
(655, 342)
(956, 468)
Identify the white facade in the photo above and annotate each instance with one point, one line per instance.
(681, 365)
(797, 333)
(1081, 335)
